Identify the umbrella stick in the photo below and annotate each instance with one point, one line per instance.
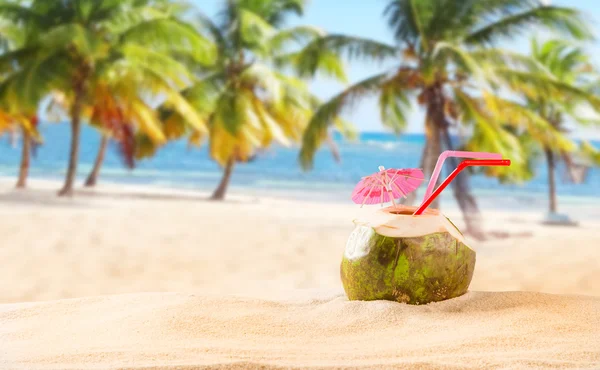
(392, 198)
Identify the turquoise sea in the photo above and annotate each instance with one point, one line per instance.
(274, 172)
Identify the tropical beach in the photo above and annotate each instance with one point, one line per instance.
(255, 184)
(160, 285)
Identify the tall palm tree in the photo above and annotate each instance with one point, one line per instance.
(14, 117)
(73, 44)
(27, 125)
(121, 110)
(571, 66)
(443, 65)
(19, 119)
(532, 121)
(107, 107)
(245, 100)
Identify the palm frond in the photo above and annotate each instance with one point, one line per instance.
(272, 129)
(447, 54)
(71, 35)
(207, 25)
(544, 86)
(176, 102)
(274, 12)
(566, 20)
(141, 58)
(261, 76)
(488, 132)
(490, 59)
(37, 79)
(254, 31)
(204, 94)
(298, 35)
(408, 20)
(589, 152)
(324, 117)
(171, 35)
(524, 118)
(229, 106)
(352, 48)
(11, 61)
(323, 55)
(394, 104)
(19, 13)
(147, 121)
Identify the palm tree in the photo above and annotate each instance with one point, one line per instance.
(245, 100)
(105, 106)
(92, 178)
(27, 125)
(120, 111)
(443, 64)
(71, 45)
(16, 118)
(572, 67)
(13, 118)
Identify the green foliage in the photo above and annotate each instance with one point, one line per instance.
(571, 67)
(248, 97)
(316, 132)
(324, 55)
(590, 153)
(447, 59)
(239, 81)
(122, 53)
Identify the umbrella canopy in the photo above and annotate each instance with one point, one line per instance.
(387, 185)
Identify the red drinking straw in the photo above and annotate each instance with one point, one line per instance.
(461, 166)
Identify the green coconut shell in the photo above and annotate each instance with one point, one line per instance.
(413, 270)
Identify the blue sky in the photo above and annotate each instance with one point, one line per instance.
(364, 18)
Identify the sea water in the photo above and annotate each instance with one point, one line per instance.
(275, 171)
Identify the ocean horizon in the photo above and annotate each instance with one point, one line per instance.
(274, 171)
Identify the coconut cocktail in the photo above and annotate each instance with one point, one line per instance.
(396, 256)
(412, 255)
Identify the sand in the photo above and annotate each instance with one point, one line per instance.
(116, 281)
(498, 330)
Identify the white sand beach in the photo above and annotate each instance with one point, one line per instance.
(117, 281)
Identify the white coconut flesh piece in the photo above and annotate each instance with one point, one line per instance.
(398, 222)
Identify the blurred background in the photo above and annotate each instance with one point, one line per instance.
(120, 118)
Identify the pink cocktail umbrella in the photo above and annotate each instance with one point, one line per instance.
(387, 185)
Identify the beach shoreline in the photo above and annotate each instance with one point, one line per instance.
(581, 206)
(135, 221)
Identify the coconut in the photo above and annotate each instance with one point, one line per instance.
(396, 256)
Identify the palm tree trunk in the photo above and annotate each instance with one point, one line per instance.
(93, 176)
(433, 147)
(25, 161)
(67, 189)
(219, 193)
(430, 159)
(437, 125)
(551, 179)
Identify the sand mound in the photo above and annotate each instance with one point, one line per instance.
(497, 330)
